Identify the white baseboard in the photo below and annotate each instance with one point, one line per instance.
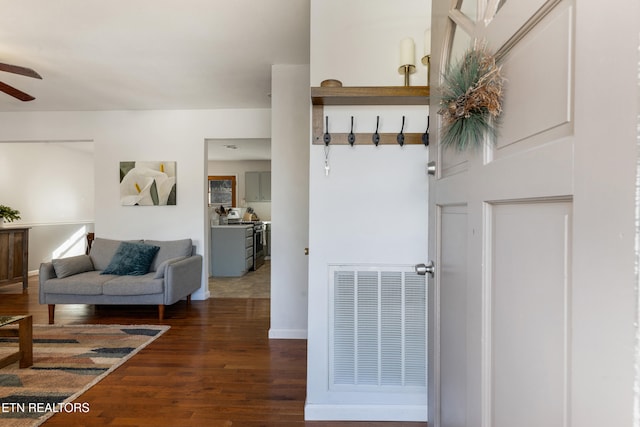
(199, 295)
(315, 412)
(288, 334)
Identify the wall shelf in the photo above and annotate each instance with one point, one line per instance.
(383, 95)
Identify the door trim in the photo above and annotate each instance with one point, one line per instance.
(529, 25)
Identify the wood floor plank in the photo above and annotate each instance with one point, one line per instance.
(214, 367)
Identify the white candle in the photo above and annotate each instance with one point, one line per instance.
(407, 52)
(427, 42)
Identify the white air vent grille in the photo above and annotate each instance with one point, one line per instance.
(378, 328)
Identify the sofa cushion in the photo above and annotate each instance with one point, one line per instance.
(132, 259)
(89, 283)
(133, 285)
(69, 266)
(170, 249)
(103, 250)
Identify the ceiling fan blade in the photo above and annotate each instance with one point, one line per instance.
(16, 69)
(10, 90)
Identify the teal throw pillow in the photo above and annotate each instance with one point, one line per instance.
(131, 259)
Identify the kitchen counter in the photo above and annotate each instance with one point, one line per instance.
(231, 250)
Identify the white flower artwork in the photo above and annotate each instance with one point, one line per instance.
(147, 183)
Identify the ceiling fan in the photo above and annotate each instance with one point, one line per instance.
(23, 71)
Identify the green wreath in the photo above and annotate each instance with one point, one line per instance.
(471, 101)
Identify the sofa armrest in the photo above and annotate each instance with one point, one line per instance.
(45, 273)
(182, 278)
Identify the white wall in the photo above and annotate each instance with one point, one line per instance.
(238, 168)
(290, 200)
(146, 135)
(48, 182)
(372, 207)
(51, 184)
(604, 301)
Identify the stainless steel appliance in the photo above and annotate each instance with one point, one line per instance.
(267, 239)
(259, 246)
(259, 242)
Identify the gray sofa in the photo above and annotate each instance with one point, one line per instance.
(117, 272)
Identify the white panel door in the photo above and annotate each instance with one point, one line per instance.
(510, 320)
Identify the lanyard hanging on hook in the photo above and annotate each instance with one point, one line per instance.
(327, 140)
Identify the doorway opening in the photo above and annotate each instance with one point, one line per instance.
(239, 208)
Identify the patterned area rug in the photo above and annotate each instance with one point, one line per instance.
(67, 361)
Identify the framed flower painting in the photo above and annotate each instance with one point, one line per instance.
(147, 183)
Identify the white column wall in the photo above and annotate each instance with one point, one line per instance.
(372, 207)
(290, 200)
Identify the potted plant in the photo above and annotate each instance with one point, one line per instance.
(8, 215)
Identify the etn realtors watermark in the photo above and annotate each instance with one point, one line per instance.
(42, 407)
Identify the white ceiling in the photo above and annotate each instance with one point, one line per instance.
(149, 54)
(239, 149)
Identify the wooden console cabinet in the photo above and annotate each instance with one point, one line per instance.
(14, 255)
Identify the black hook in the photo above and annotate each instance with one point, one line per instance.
(327, 136)
(400, 137)
(376, 136)
(425, 135)
(351, 138)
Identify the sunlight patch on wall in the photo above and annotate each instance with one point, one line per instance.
(74, 245)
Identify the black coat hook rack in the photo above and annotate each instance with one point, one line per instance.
(379, 95)
(401, 138)
(322, 134)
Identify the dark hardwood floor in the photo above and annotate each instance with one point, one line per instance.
(214, 367)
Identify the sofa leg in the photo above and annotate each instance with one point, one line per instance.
(188, 299)
(161, 311)
(52, 312)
